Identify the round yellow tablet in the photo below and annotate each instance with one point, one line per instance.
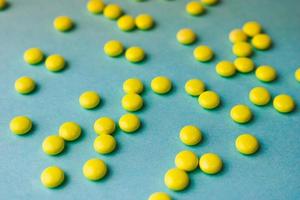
(53, 145)
(265, 73)
(105, 144)
(241, 113)
(24, 85)
(297, 74)
(55, 63)
(95, 6)
(69, 131)
(52, 177)
(194, 8)
(159, 196)
(126, 23)
(3, 4)
(113, 48)
(259, 96)
(209, 99)
(176, 179)
(284, 103)
(225, 68)
(210, 2)
(246, 144)
(161, 85)
(186, 36)
(20, 125)
(186, 160)
(94, 169)
(237, 35)
(89, 99)
(261, 41)
(135, 54)
(210, 163)
(252, 28)
(190, 135)
(144, 21)
(112, 11)
(63, 23)
(104, 125)
(33, 56)
(129, 123)
(194, 87)
(203, 53)
(133, 85)
(244, 64)
(242, 49)
(132, 102)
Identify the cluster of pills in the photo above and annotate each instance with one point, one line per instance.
(196, 8)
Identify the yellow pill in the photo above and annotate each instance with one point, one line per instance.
(194, 8)
(20, 125)
(53, 145)
(132, 102)
(246, 144)
(259, 96)
(190, 135)
(284, 103)
(265, 73)
(55, 63)
(95, 6)
(210, 163)
(209, 100)
(52, 177)
(237, 35)
(69, 131)
(24, 85)
(176, 179)
(113, 48)
(3, 4)
(225, 68)
(129, 123)
(89, 99)
(242, 49)
(144, 22)
(33, 56)
(94, 169)
(241, 113)
(297, 74)
(210, 2)
(194, 87)
(252, 28)
(186, 160)
(161, 85)
(203, 53)
(112, 11)
(133, 85)
(126, 23)
(105, 144)
(244, 64)
(261, 41)
(135, 54)
(63, 23)
(159, 196)
(186, 36)
(104, 125)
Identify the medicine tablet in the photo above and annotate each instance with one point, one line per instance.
(209, 99)
(105, 144)
(210, 163)
(63, 23)
(159, 196)
(186, 160)
(186, 36)
(194, 8)
(237, 35)
(94, 169)
(52, 177)
(244, 64)
(126, 23)
(242, 49)
(33, 56)
(144, 22)
(203, 53)
(259, 96)
(241, 113)
(132, 102)
(133, 85)
(3, 4)
(53, 145)
(95, 6)
(297, 74)
(161, 85)
(89, 99)
(112, 11)
(104, 125)
(261, 41)
(246, 144)
(69, 131)
(20, 125)
(265, 73)
(113, 48)
(283, 103)
(252, 28)
(194, 87)
(24, 85)
(225, 68)
(190, 135)
(210, 2)
(135, 54)
(55, 62)
(129, 123)
(176, 179)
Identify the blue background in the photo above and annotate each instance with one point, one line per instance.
(137, 168)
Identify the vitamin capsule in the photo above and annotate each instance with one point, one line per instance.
(104, 125)
(209, 99)
(129, 123)
(244, 64)
(3, 4)
(297, 74)
(261, 41)
(126, 23)
(210, 163)
(33, 56)
(159, 196)
(190, 135)
(113, 48)
(186, 160)
(144, 22)
(133, 85)
(242, 49)
(225, 68)
(237, 35)
(24, 85)
(161, 85)
(259, 96)
(63, 23)
(176, 179)
(105, 144)
(89, 99)
(52, 177)
(94, 169)
(20, 125)
(53, 145)
(241, 113)
(194, 87)
(69, 131)
(246, 144)
(112, 11)
(186, 36)
(203, 53)
(265, 73)
(95, 6)
(55, 62)
(132, 102)
(210, 2)
(283, 103)
(194, 8)
(252, 28)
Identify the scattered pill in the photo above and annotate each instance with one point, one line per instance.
(3, 4)
(105, 144)
(176, 179)
(241, 113)
(244, 64)
(132, 102)
(297, 74)
(203, 53)
(209, 99)
(112, 11)
(52, 177)
(242, 49)
(94, 169)
(144, 22)
(265, 73)
(104, 125)
(284, 103)
(252, 28)
(135, 54)
(55, 62)
(95, 6)
(259, 96)
(24, 85)
(113, 48)
(210, 163)
(69, 131)
(161, 85)
(237, 35)
(186, 160)
(246, 144)
(53, 145)
(190, 135)
(225, 68)
(194, 87)
(159, 196)
(194, 8)
(33, 56)
(210, 2)
(126, 23)
(129, 123)
(20, 125)
(186, 36)
(63, 23)
(89, 99)
(133, 85)
(261, 41)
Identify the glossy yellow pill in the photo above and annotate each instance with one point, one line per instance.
(55, 63)
(112, 11)
(209, 100)
(104, 125)
(284, 103)
(113, 48)
(159, 196)
(126, 23)
(20, 125)
(129, 123)
(210, 163)
(210, 2)
(133, 85)
(89, 99)
(3, 4)
(52, 177)
(252, 28)
(241, 113)
(242, 49)
(186, 160)
(203, 53)
(186, 36)
(53, 145)
(63, 23)
(265, 73)
(135, 54)
(132, 102)
(225, 68)
(190, 135)
(244, 64)
(105, 144)
(237, 35)
(69, 131)
(194, 8)
(246, 144)
(297, 74)
(33, 56)
(194, 87)
(144, 21)
(176, 179)
(261, 41)
(95, 6)
(259, 96)
(94, 169)
(161, 85)
(24, 85)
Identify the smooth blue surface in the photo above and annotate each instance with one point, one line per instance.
(138, 166)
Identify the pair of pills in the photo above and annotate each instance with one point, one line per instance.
(196, 8)
(227, 68)
(132, 101)
(142, 22)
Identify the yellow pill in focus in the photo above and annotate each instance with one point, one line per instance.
(297, 74)
(210, 2)
(33, 56)
(209, 100)
(194, 8)
(144, 22)
(135, 54)
(52, 177)
(132, 102)
(265, 73)
(133, 85)
(129, 123)
(94, 169)
(241, 113)
(246, 144)
(89, 99)
(225, 68)
(63, 23)
(95, 6)
(105, 144)
(55, 62)
(104, 125)
(186, 36)
(210, 163)
(261, 41)
(112, 11)
(24, 85)
(259, 96)
(244, 64)
(186, 160)
(159, 196)
(203, 53)
(126, 23)
(176, 179)
(242, 49)
(252, 28)
(284, 103)
(113, 48)
(190, 135)
(194, 87)
(161, 85)
(237, 35)
(53, 145)
(69, 131)
(20, 125)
